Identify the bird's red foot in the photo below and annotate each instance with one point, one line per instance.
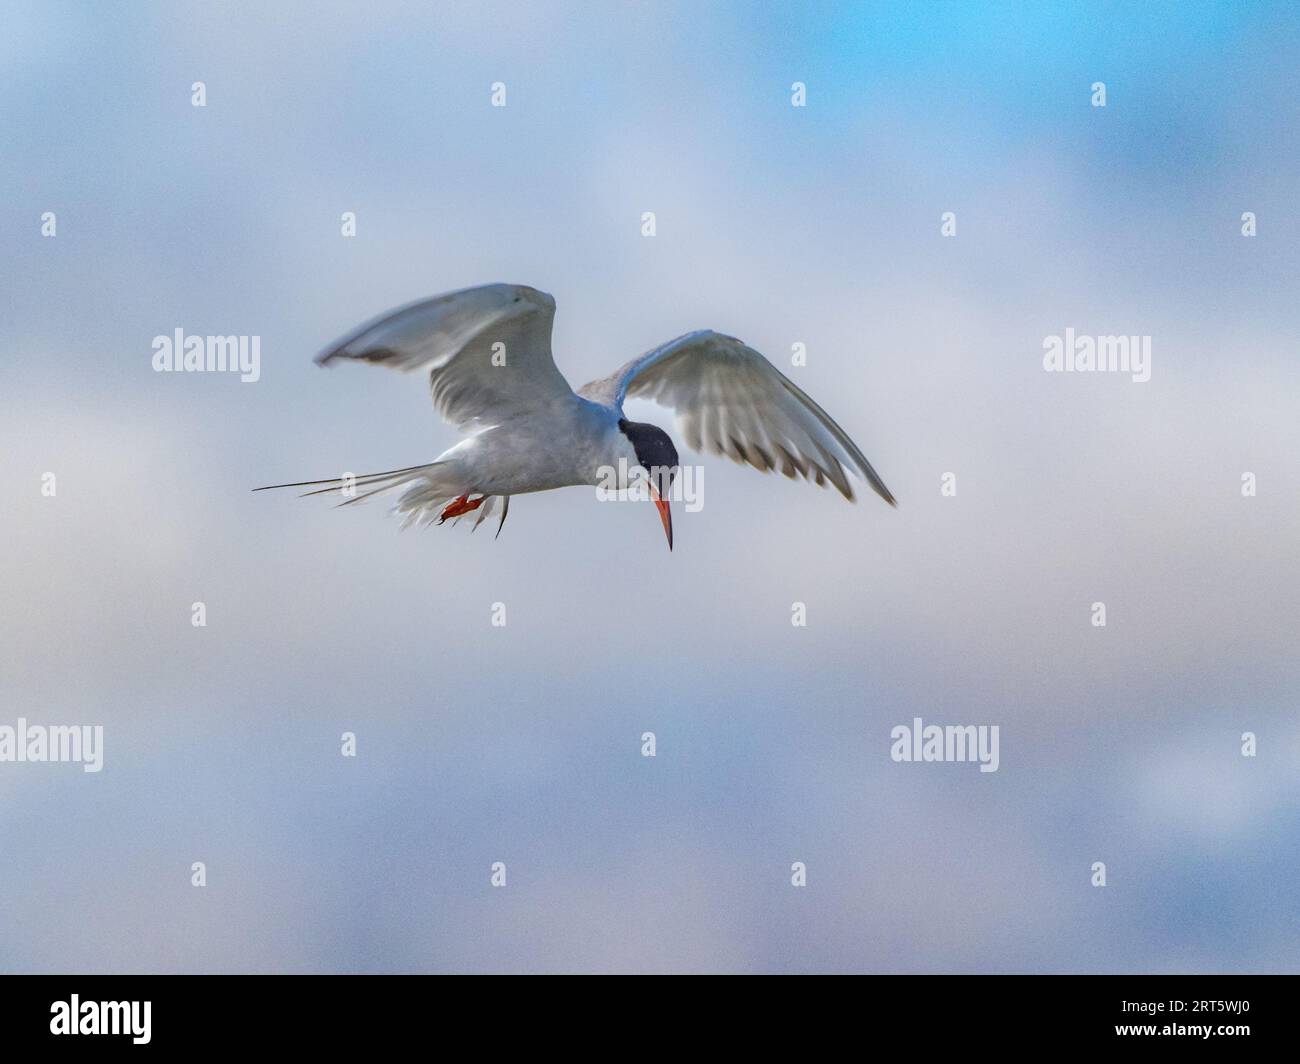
(460, 506)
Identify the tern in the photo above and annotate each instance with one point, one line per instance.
(487, 351)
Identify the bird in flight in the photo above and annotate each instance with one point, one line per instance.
(488, 354)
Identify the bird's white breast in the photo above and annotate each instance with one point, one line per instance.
(559, 446)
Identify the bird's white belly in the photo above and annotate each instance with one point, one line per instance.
(534, 454)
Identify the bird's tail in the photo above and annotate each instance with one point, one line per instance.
(429, 488)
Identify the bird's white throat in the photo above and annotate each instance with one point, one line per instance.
(628, 482)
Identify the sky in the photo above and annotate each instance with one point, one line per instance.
(819, 225)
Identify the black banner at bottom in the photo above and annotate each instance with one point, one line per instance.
(149, 1012)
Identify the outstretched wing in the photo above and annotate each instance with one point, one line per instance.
(732, 401)
(487, 349)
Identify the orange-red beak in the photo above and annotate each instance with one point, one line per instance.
(665, 514)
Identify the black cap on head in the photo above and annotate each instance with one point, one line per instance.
(655, 452)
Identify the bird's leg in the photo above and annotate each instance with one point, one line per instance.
(460, 506)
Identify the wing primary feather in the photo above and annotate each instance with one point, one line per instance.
(731, 401)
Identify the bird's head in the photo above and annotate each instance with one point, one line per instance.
(655, 454)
